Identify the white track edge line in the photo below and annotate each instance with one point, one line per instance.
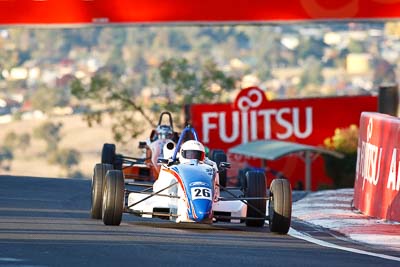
(299, 235)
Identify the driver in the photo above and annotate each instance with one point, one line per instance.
(164, 132)
(162, 135)
(192, 150)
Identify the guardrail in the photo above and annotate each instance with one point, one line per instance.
(377, 183)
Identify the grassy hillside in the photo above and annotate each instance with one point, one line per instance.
(75, 135)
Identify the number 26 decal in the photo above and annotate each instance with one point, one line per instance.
(201, 193)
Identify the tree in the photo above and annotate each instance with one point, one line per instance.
(6, 156)
(66, 158)
(24, 141)
(48, 45)
(180, 83)
(10, 140)
(356, 47)
(13, 140)
(384, 73)
(50, 133)
(312, 73)
(184, 84)
(104, 95)
(177, 40)
(310, 47)
(45, 99)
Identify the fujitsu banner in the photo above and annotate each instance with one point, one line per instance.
(54, 12)
(252, 117)
(377, 185)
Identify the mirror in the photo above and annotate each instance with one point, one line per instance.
(142, 144)
(224, 165)
(163, 161)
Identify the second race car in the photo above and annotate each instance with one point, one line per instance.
(144, 168)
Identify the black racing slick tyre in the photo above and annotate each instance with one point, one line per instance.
(218, 158)
(280, 206)
(215, 152)
(113, 198)
(256, 208)
(108, 154)
(98, 180)
(242, 178)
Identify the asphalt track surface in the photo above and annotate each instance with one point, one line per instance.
(45, 222)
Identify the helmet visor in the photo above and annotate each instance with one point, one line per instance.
(192, 154)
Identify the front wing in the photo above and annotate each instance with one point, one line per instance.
(149, 204)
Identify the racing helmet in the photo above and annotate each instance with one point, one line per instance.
(192, 150)
(164, 132)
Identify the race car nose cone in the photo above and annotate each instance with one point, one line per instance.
(202, 210)
(202, 216)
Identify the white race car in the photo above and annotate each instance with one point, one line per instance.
(188, 190)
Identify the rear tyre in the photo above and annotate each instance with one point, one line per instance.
(98, 179)
(218, 158)
(256, 208)
(215, 152)
(280, 206)
(109, 156)
(118, 162)
(113, 198)
(242, 178)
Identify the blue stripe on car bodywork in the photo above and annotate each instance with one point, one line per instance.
(195, 176)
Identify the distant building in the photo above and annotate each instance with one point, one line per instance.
(357, 63)
(8, 106)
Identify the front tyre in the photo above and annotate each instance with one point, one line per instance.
(280, 206)
(113, 198)
(256, 208)
(98, 180)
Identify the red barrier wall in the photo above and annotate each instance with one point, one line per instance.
(377, 184)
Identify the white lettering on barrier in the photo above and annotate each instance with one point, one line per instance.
(207, 126)
(222, 127)
(296, 123)
(245, 121)
(369, 160)
(244, 124)
(245, 134)
(266, 114)
(392, 182)
(281, 121)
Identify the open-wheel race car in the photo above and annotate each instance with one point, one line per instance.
(188, 190)
(145, 168)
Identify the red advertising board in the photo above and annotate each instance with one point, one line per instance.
(252, 117)
(377, 185)
(48, 12)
